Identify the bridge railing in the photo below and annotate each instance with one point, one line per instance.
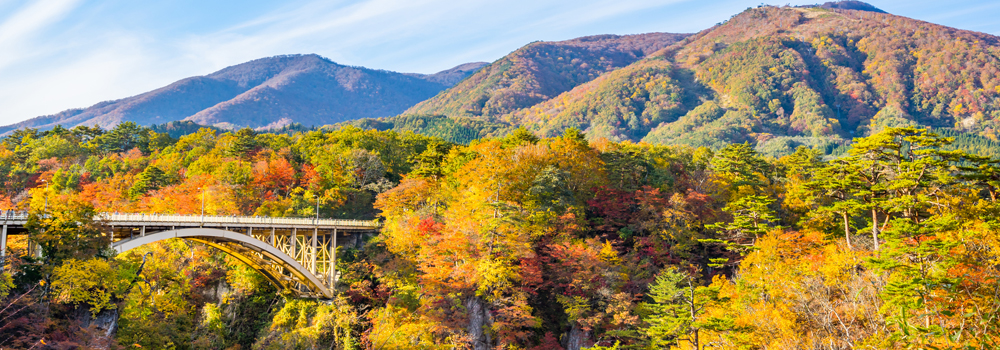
(11, 215)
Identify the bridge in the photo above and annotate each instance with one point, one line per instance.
(298, 255)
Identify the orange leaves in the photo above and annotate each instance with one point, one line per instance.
(449, 265)
(273, 175)
(410, 196)
(5, 203)
(109, 195)
(187, 198)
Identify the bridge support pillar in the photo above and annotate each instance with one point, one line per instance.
(3, 247)
(294, 240)
(333, 261)
(313, 251)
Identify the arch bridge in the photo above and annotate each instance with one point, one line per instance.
(297, 255)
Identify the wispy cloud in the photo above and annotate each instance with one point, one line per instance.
(392, 33)
(25, 24)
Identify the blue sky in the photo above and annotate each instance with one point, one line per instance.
(60, 54)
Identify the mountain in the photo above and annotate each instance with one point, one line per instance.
(780, 77)
(540, 71)
(268, 92)
(452, 76)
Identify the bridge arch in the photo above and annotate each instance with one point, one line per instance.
(280, 268)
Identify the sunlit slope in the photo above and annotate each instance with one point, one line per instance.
(540, 71)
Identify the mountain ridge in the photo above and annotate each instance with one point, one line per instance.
(223, 97)
(539, 71)
(791, 76)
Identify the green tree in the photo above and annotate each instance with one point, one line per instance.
(244, 142)
(428, 163)
(742, 168)
(519, 137)
(916, 259)
(898, 169)
(836, 184)
(676, 313)
(751, 216)
(152, 178)
(124, 137)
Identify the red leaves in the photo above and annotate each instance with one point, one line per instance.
(641, 211)
(532, 273)
(549, 342)
(429, 227)
(573, 269)
(613, 207)
(701, 205)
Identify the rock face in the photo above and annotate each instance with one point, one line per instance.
(268, 92)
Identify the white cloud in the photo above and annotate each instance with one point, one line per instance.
(25, 24)
(119, 68)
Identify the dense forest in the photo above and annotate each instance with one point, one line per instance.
(513, 242)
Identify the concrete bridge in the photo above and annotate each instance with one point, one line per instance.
(295, 254)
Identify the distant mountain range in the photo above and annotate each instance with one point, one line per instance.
(268, 93)
(777, 77)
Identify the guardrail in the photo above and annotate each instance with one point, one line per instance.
(11, 215)
(112, 218)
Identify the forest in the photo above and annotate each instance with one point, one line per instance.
(512, 242)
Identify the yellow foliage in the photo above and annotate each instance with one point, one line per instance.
(608, 253)
(398, 328)
(94, 283)
(304, 323)
(6, 284)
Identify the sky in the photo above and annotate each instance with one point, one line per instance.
(61, 54)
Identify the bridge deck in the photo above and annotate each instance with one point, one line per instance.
(15, 219)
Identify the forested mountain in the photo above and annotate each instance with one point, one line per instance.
(777, 77)
(268, 92)
(540, 71)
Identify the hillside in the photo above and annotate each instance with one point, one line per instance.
(790, 76)
(540, 71)
(268, 92)
(456, 130)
